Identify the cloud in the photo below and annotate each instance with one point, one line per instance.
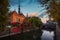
(23, 2)
(33, 14)
(44, 20)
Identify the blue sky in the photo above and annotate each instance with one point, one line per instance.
(27, 6)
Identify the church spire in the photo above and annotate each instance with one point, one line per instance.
(19, 8)
(27, 14)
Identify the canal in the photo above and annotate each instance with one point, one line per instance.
(32, 35)
(47, 35)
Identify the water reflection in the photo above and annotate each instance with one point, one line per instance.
(47, 35)
(33, 35)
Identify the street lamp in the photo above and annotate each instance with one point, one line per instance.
(9, 28)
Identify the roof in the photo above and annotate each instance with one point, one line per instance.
(14, 12)
(21, 14)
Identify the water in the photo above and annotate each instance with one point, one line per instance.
(47, 35)
(33, 35)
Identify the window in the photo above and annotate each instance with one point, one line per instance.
(17, 19)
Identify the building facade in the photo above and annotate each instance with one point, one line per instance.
(15, 17)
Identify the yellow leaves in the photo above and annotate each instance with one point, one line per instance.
(54, 10)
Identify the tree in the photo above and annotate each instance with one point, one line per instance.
(3, 14)
(35, 21)
(53, 8)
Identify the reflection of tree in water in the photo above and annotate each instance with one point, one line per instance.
(29, 35)
(38, 34)
(32, 35)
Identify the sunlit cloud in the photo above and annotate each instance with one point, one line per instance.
(44, 20)
(33, 14)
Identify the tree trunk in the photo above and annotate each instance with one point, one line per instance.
(59, 24)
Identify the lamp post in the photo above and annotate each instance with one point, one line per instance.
(9, 30)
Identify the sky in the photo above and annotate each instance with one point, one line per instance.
(32, 7)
